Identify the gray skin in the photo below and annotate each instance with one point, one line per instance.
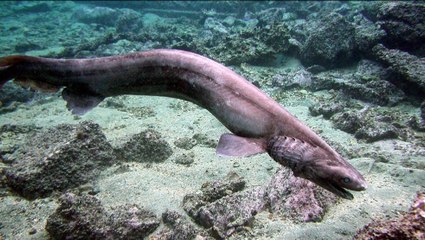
(243, 108)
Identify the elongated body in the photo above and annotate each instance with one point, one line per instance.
(253, 117)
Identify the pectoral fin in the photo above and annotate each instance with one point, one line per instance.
(232, 145)
(81, 102)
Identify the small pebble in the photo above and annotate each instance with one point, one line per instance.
(32, 231)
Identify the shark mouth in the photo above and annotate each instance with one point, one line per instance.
(334, 188)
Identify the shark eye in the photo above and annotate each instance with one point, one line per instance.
(346, 180)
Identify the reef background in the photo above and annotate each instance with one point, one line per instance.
(139, 166)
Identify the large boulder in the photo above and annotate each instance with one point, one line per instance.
(408, 68)
(410, 225)
(84, 217)
(58, 159)
(403, 22)
(330, 42)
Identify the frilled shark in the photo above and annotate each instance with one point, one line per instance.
(258, 123)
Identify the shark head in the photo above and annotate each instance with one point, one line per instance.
(315, 164)
(334, 174)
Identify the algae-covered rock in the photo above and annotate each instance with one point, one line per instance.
(224, 207)
(330, 43)
(147, 146)
(327, 109)
(178, 227)
(379, 131)
(403, 23)
(98, 15)
(409, 68)
(84, 217)
(12, 93)
(348, 121)
(59, 158)
(410, 225)
(296, 198)
(369, 88)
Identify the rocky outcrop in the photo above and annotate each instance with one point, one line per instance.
(403, 23)
(59, 158)
(410, 225)
(84, 217)
(330, 42)
(224, 207)
(408, 68)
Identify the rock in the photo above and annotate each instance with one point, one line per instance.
(231, 213)
(367, 34)
(378, 131)
(129, 21)
(185, 143)
(222, 208)
(404, 25)
(185, 159)
(10, 93)
(178, 227)
(151, 20)
(410, 225)
(218, 189)
(23, 47)
(12, 137)
(327, 109)
(205, 140)
(84, 217)
(371, 89)
(348, 121)
(58, 159)
(32, 7)
(147, 146)
(300, 78)
(330, 42)
(410, 69)
(214, 25)
(423, 113)
(297, 198)
(98, 15)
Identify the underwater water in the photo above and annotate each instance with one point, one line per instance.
(138, 167)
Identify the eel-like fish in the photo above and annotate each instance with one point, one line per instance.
(258, 123)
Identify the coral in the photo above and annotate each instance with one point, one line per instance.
(410, 225)
(84, 217)
(59, 158)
